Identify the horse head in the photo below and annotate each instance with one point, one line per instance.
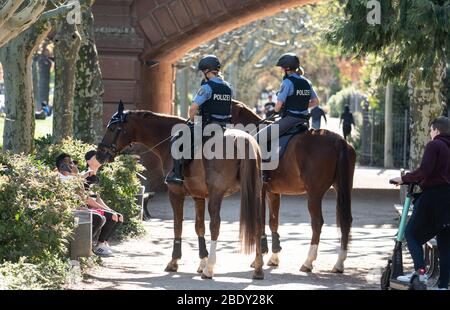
(117, 137)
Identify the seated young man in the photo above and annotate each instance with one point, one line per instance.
(113, 218)
(67, 170)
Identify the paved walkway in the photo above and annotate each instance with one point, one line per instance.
(139, 264)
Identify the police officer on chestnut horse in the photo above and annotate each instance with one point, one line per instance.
(296, 95)
(213, 101)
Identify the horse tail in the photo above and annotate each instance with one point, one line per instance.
(343, 185)
(251, 204)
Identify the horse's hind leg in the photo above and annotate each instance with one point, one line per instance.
(263, 242)
(177, 202)
(345, 236)
(214, 203)
(200, 230)
(274, 211)
(315, 211)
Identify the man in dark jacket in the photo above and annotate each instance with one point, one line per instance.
(431, 214)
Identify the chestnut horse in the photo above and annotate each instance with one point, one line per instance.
(312, 163)
(213, 179)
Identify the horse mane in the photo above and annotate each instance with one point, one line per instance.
(166, 118)
(242, 106)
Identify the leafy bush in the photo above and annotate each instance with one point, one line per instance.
(50, 273)
(36, 223)
(35, 209)
(337, 102)
(46, 152)
(119, 186)
(118, 181)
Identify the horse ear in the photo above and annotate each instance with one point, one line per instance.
(120, 108)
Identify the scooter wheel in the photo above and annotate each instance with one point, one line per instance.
(385, 276)
(416, 285)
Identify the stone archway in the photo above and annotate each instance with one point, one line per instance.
(133, 34)
(140, 40)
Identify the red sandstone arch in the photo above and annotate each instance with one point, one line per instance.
(131, 32)
(164, 31)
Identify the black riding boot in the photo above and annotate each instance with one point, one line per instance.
(176, 176)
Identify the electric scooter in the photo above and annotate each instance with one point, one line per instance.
(394, 267)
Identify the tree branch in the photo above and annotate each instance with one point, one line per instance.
(56, 12)
(8, 10)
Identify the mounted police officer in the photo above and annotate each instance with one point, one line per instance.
(295, 97)
(212, 102)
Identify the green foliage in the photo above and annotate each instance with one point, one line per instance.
(35, 209)
(119, 186)
(50, 273)
(36, 223)
(337, 102)
(118, 181)
(46, 151)
(412, 34)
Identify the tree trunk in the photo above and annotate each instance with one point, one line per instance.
(388, 132)
(88, 107)
(44, 67)
(426, 104)
(67, 43)
(17, 57)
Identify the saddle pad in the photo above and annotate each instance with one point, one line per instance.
(284, 139)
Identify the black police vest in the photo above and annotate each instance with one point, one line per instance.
(220, 101)
(299, 101)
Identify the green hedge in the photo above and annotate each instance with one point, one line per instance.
(119, 186)
(118, 181)
(36, 222)
(36, 219)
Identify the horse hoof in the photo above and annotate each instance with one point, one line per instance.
(199, 270)
(305, 269)
(205, 277)
(272, 264)
(258, 275)
(336, 270)
(171, 268)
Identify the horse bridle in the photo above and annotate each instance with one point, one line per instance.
(111, 149)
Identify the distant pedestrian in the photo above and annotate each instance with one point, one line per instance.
(269, 107)
(347, 120)
(316, 116)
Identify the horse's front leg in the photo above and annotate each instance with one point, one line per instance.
(177, 202)
(315, 211)
(200, 230)
(214, 204)
(274, 211)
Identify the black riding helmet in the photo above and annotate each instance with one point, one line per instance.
(209, 62)
(289, 61)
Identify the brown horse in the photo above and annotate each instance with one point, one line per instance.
(213, 179)
(312, 163)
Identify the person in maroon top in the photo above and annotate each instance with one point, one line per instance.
(431, 214)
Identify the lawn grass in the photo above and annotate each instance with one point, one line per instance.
(43, 128)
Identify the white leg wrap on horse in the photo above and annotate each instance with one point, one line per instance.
(203, 263)
(341, 258)
(209, 270)
(274, 259)
(312, 256)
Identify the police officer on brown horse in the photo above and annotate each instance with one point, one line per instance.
(295, 97)
(212, 102)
